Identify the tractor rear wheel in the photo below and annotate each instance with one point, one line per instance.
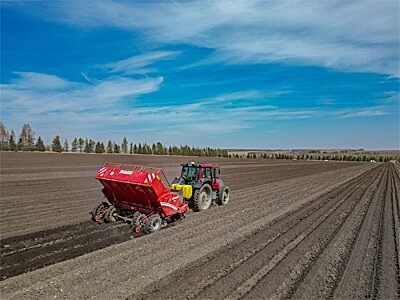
(202, 198)
(152, 224)
(223, 197)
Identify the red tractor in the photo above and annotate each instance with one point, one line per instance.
(142, 197)
(203, 179)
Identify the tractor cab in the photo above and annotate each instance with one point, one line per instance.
(197, 171)
(201, 185)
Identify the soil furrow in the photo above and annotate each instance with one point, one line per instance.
(377, 261)
(386, 283)
(355, 280)
(396, 221)
(321, 279)
(293, 229)
(60, 231)
(290, 276)
(249, 247)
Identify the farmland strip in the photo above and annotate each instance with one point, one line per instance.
(237, 253)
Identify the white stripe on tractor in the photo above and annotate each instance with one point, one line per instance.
(168, 205)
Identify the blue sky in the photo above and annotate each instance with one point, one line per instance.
(243, 74)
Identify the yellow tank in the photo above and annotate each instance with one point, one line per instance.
(186, 189)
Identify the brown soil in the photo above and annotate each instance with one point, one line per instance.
(292, 229)
(47, 190)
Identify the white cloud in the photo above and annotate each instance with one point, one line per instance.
(109, 109)
(366, 112)
(39, 81)
(360, 36)
(35, 95)
(139, 64)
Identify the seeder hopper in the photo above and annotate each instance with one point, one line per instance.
(137, 195)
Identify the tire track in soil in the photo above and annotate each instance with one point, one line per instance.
(30, 252)
(204, 277)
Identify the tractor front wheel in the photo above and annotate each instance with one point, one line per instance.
(152, 224)
(202, 198)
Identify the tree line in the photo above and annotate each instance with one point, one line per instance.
(27, 142)
(307, 156)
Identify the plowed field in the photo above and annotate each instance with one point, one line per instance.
(293, 229)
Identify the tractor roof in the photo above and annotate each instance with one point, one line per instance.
(199, 164)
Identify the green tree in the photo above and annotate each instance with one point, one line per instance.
(4, 138)
(56, 144)
(116, 148)
(66, 146)
(40, 145)
(110, 147)
(92, 143)
(12, 144)
(98, 148)
(74, 145)
(131, 148)
(87, 146)
(145, 149)
(19, 145)
(81, 144)
(124, 145)
(135, 149)
(27, 138)
(160, 148)
(140, 150)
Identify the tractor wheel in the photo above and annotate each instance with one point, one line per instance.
(98, 212)
(152, 224)
(223, 197)
(202, 198)
(109, 215)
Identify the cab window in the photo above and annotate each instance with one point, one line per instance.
(206, 173)
(190, 172)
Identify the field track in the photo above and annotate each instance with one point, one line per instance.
(293, 229)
